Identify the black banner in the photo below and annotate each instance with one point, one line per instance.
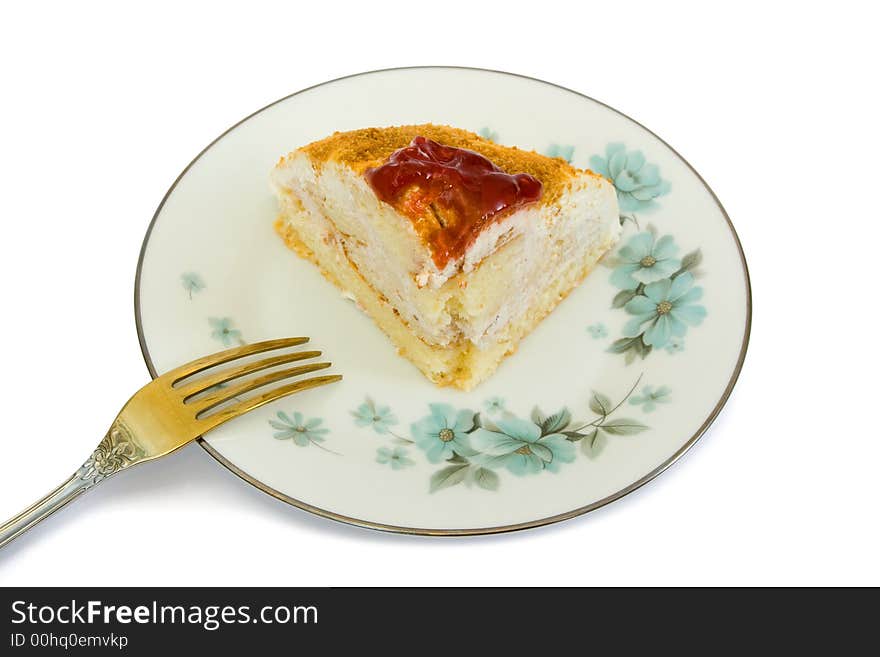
(82, 621)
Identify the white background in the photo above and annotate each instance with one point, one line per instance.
(773, 104)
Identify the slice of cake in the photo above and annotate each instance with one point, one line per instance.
(457, 247)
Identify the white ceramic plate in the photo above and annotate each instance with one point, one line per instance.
(213, 273)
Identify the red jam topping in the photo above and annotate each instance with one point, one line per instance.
(450, 194)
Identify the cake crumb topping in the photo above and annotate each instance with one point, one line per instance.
(370, 147)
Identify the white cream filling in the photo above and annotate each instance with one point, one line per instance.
(527, 250)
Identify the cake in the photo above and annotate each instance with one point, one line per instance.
(457, 247)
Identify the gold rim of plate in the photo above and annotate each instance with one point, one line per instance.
(358, 522)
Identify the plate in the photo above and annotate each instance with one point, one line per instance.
(603, 396)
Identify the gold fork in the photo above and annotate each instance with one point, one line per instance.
(164, 416)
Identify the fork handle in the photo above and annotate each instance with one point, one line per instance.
(117, 451)
(65, 493)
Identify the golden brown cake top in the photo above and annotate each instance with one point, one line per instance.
(431, 175)
(369, 147)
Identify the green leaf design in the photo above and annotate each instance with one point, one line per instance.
(623, 297)
(573, 436)
(486, 479)
(691, 260)
(537, 416)
(623, 345)
(448, 476)
(632, 347)
(594, 443)
(456, 458)
(478, 422)
(623, 427)
(600, 404)
(556, 422)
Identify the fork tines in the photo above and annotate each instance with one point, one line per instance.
(205, 394)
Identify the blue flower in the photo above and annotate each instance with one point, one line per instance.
(675, 345)
(224, 332)
(564, 152)
(642, 260)
(494, 405)
(369, 415)
(637, 183)
(665, 311)
(301, 431)
(395, 456)
(651, 397)
(444, 432)
(486, 133)
(597, 331)
(192, 282)
(520, 447)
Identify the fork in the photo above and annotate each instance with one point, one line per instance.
(166, 414)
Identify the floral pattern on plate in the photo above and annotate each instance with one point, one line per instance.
(224, 332)
(564, 152)
(298, 430)
(657, 292)
(637, 182)
(474, 447)
(192, 283)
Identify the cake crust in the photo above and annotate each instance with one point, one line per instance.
(370, 147)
